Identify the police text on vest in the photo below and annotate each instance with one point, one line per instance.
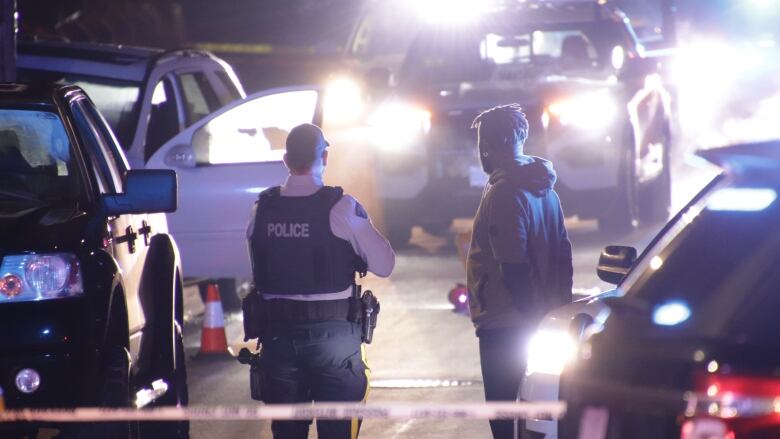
(288, 230)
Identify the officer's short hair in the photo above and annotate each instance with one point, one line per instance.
(305, 144)
(504, 125)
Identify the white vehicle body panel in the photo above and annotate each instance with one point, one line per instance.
(215, 200)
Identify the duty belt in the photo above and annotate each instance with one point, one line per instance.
(285, 311)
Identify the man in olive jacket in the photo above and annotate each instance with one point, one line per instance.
(519, 263)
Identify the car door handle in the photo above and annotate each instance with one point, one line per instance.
(145, 230)
(129, 237)
(180, 156)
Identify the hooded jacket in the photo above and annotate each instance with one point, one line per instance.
(519, 221)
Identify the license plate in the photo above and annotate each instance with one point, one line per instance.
(477, 177)
(593, 423)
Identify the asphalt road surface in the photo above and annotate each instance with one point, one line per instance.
(423, 350)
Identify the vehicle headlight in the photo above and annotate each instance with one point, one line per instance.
(550, 351)
(343, 101)
(33, 277)
(590, 111)
(395, 125)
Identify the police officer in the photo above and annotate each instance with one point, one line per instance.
(306, 242)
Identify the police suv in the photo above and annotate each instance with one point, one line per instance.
(90, 279)
(596, 105)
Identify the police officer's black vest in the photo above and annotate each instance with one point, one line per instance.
(293, 248)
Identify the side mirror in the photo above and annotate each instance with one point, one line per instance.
(146, 191)
(615, 261)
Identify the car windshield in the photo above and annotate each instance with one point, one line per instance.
(501, 51)
(36, 158)
(717, 261)
(116, 99)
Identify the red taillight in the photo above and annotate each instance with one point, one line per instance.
(731, 406)
(706, 428)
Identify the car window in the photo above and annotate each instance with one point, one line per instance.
(116, 99)
(163, 117)
(720, 262)
(254, 131)
(108, 171)
(199, 97)
(230, 86)
(502, 50)
(36, 156)
(116, 155)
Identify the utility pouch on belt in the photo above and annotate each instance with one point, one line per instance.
(253, 308)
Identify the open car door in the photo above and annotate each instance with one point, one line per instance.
(223, 162)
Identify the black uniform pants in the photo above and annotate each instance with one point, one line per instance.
(502, 357)
(314, 362)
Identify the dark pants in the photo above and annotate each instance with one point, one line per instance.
(314, 362)
(502, 357)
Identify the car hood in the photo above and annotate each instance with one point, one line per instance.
(35, 227)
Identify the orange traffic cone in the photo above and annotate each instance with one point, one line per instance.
(213, 339)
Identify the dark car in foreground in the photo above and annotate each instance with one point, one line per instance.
(90, 281)
(692, 349)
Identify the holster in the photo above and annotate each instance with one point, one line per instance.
(253, 308)
(256, 382)
(370, 308)
(255, 362)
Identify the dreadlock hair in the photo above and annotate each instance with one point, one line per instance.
(503, 126)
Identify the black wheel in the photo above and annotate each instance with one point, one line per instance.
(655, 199)
(173, 369)
(622, 215)
(176, 396)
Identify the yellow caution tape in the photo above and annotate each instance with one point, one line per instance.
(254, 49)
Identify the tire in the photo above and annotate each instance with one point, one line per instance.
(173, 369)
(176, 396)
(655, 199)
(622, 216)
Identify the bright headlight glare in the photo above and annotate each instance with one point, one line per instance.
(396, 125)
(449, 11)
(39, 276)
(343, 101)
(590, 111)
(550, 351)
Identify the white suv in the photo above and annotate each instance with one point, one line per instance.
(185, 110)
